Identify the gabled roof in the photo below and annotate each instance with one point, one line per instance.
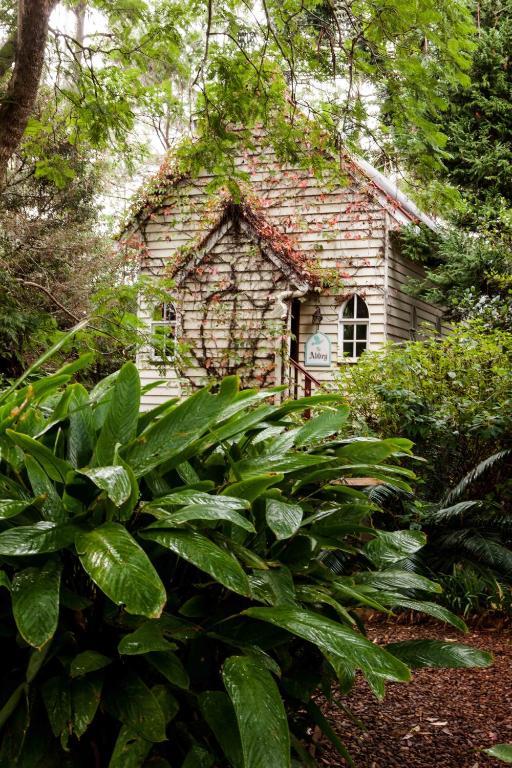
(403, 210)
(274, 244)
(401, 207)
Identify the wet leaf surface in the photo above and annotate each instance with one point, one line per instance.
(443, 718)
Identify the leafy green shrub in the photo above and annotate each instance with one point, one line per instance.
(167, 592)
(451, 396)
(469, 541)
(470, 590)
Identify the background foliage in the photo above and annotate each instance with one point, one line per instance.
(472, 277)
(452, 397)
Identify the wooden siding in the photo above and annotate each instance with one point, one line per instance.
(407, 316)
(230, 317)
(342, 228)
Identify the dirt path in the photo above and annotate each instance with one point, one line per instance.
(442, 719)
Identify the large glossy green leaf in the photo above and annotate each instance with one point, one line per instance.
(437, 653)
(120, 425)
(253, 488)
(357, 595)
(305, 403)
(284, 463)
(373, 451)
(85, 700)
(260, 713)
(171, 435)
(501, 751)
(55, 468)
(318, 596)
(168, 664)
(218, 711)
(115, 481)
(192, 497)
(130, 700)
(12, 507)
(130, 750)
(205, 512)
(394, 578)
(282, 518)
(36, 539)
(274, 586)
(81, 433)
(336, 639)
(234, 427)
(205, 555)
(322, 426)
(124, 512)
(390, 547)
(121, 569)
(11, 490)
(35, 602)
(88, 661)
(431, 609)
(56, 694)
(52, 507)
(148, 637)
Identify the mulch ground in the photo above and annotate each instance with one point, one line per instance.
(442, 719)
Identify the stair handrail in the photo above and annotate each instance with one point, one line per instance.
(305, 372)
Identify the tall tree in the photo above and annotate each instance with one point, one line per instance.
(316, 56)
(27, 48)
(474, 272)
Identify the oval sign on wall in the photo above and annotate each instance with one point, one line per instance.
(317, 350)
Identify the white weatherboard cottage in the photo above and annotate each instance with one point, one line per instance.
(284, 287)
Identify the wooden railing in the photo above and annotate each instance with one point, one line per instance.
(300, 381)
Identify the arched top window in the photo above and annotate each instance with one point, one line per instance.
(354, 329)
(163, 332)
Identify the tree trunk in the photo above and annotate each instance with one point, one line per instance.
(18, 101)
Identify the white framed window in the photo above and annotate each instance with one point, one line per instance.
(354, 329)
(163, 332)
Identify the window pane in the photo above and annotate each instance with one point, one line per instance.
(349, 308)
(168, 313)
(361, 331)
(360, 348)
(348, 332)
(362, 309)
(348, 350)
(164, 313)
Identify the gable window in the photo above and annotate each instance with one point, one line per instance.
(354, 329)
(163, 332)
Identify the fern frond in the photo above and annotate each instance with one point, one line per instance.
(461, 487)
(449, 513)
(483, 549)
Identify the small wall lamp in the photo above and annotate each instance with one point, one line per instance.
(317, 317)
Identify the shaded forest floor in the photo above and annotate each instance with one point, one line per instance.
(442, 719)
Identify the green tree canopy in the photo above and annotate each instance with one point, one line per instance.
(359, 67)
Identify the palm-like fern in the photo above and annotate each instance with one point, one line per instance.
(472, 535)
(474, 474)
